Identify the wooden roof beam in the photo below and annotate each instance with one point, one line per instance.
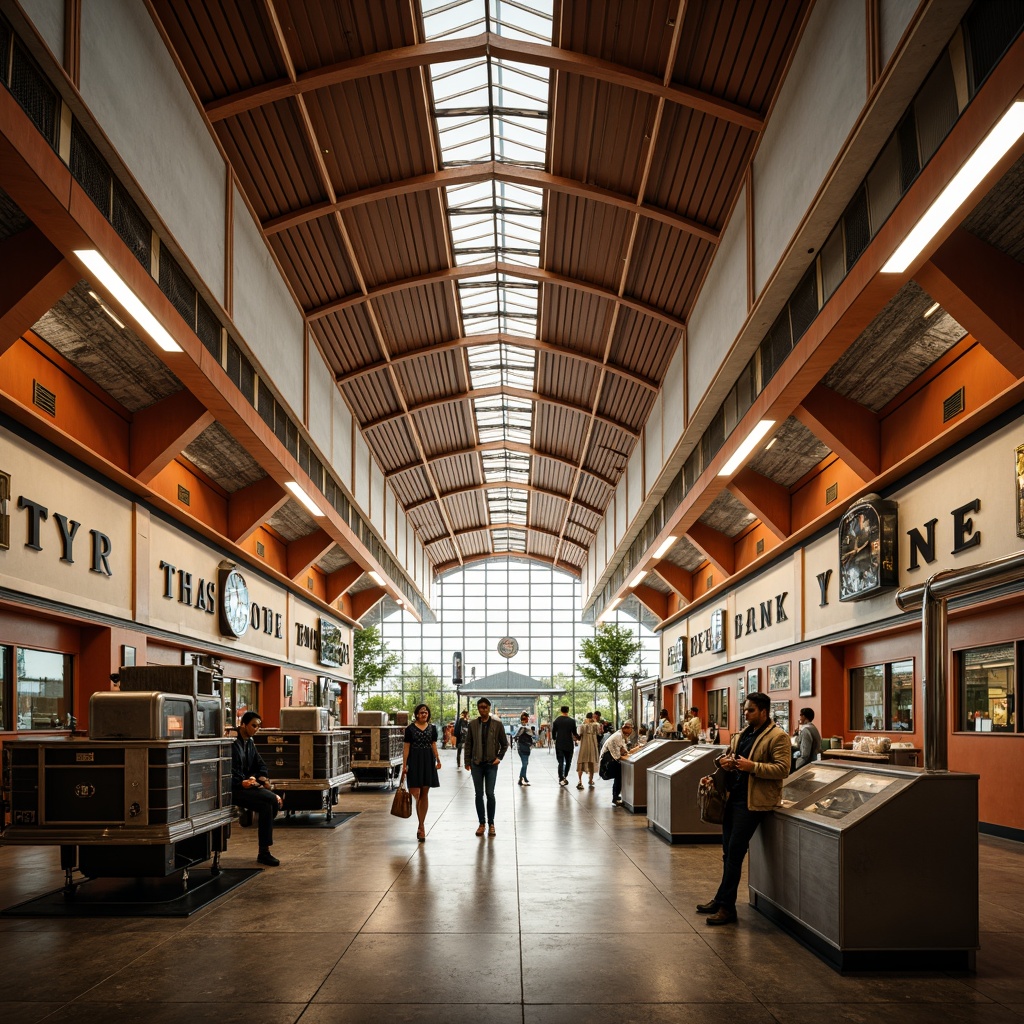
(980, 287)
(442, 567)
(250, 507)
(652, 599)
(359, 603)
(443, 50)
(483, 270)
(769, 501)
(679, 579)
(501, 484)
(716, 547)
(160, 431)
(339, 581)
(850, 429)
(305, 551)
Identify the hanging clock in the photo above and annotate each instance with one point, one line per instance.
(868, 549)
(234, 601)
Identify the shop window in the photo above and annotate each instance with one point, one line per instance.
(42, 689)
(718, 708)
(882, 697)
(242, 695)
(987, 688)
(5, 686)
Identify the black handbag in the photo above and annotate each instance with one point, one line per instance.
(604, 769)
(712, 796)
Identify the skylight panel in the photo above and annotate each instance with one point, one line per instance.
(502, 365)
(506, 466)
(507, 505)
(523, 19)
(455, 19)
(509, 540)
(500, 418)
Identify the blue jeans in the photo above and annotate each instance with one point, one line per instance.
(738, 828)
(525, 760)
(484, 775)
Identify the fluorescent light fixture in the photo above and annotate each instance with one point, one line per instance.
(637, 579)
(106, 309)
(771, 442)
(748, 445)
(127, 299)
(995, 146)
(376, 577)
(304, 498)
(930, 310)
(399, 602)
(666, 546)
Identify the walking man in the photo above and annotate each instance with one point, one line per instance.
(757, 760)
(460, 736)
(617, 748)
(485, 746)
(563, 729)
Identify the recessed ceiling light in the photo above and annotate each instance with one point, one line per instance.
(376, 577)
(304, 498)
(666, 546)
(637, 579)
(734, 463)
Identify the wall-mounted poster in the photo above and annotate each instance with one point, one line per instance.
(778, 676)
(753, 680)
(741, 695)
(807, 678)
(780, 714)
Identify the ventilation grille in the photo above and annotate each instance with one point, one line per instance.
(760, 546)
(953, 406)
(831, 493)
(309, 582)
(260, 549)
(34, 94)
(184, 495)
(44, 398)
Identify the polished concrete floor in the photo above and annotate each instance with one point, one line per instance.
(574, 912)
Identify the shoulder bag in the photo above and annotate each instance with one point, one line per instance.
(712, 796)
(401, 805)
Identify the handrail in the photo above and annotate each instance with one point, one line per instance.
(932, 597)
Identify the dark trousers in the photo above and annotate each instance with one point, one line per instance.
(484, 777)
(564, 757)
(616, 770)
(263, 803)
(459, 744)
(525, 761)
(738, 828)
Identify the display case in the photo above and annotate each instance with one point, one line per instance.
(309, 767)
(841, 865)
(672, 795)
(376, 752)
(634, 770)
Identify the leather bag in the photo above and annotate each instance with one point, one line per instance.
(401, 805)
(712, 796)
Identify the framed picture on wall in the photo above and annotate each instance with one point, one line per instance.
(289, 688)
(741, 695)
(780, 714)
(753, 680)
(127, 656)
(807, 678)
(778, 676)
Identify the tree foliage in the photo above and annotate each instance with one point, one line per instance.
(372, 660)
(605, 656)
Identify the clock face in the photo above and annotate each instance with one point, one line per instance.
(234, 603)
(508, 647)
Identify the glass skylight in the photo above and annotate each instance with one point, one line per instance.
(506, 466)
(499, 304)
(507, 505)
(502, 366)
(500, 418)
(509, 540)
(495, 220)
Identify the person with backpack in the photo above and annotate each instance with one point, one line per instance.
(524, 740)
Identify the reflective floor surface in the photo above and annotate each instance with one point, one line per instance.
(573, 912)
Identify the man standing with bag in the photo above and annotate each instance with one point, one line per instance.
(758, 760)
(486, 743)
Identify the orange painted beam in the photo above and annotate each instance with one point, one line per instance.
(981, 288)
(35, 275)
(768, 500)
(304, 551)
(847, 427)
(341, 579)
(161, 431)
(250, 507)
(678, 579)
(653, 599)
(362, 601)
(715, 545)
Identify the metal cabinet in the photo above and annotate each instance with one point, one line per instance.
(634, 771)
(672, 795)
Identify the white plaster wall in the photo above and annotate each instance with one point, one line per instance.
(652, 449)
(390, 526)
(135, 92)
(894, 17)
(620, 510)
(820, 100)
(48, 18)
(264, 312)
(720, 310)
(635, 483)
(321, 389)
(341, 455)
(361, 474)
(376, 498)
(673, 419)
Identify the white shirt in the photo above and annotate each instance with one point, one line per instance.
(615, 745)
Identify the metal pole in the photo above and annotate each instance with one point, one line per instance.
(934, 639)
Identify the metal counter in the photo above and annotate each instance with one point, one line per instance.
(634, 770)
(672, 795)
(873, 867)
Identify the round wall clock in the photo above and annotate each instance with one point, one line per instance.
(234, 602)
(508, 647)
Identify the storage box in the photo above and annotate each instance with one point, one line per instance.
(372, 718)
(209, 716)
(191, 680)
(304, 720)
(402, 718)
(141, 716)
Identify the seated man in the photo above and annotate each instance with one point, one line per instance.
(250, 787)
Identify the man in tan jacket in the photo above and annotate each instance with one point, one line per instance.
(758, 760)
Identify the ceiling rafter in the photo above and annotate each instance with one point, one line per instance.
(494, 339)
(316, 151)
(497, 46)
(651, 139)
(491, 170)
(492, 528)
(497, 485)
(442, 567)
(497, 267)
(526, 396)
(496, 446)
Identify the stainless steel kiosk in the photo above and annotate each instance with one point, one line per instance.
(873, 867)
(634, 771)
(672, 795)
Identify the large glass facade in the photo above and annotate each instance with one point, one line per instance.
(479, 605)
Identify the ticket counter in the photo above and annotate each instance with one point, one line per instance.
(672, 795)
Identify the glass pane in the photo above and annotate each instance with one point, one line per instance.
(43, 688)
(4, 680)
(901, 698)
(247, 697)
(867, 698)
(987, 689)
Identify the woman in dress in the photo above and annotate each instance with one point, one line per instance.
(420, 763)
(587, 757)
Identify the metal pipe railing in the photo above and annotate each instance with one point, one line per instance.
(932, 598)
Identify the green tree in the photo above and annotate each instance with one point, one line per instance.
(604, 657)
(373, 661)
(389, 702)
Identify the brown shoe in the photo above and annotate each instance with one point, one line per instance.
(721, 916)
(491, 831)
(707, 908)
(480, 830)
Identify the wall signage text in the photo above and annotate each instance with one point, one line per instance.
(100, 547)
